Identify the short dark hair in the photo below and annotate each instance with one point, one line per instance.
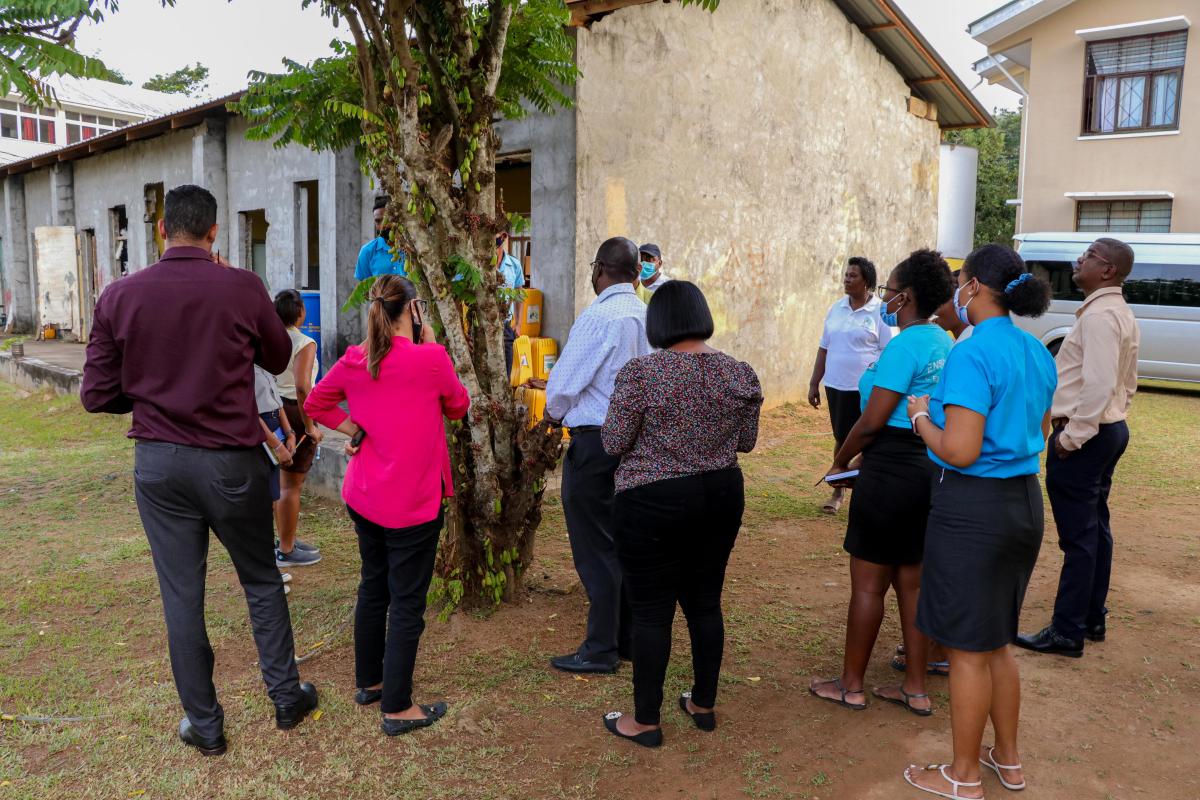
(997, 267)
(189, 211)
(925, 275)
(381, 202)
(677, 312)
(619, 258)
(1122, 255)
(289, 305)
(865, 268)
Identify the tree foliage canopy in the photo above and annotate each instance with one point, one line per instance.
(999, 163)
(37, 40)
(185, 80)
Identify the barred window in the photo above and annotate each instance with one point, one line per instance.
(1134, 84)
(1124, 216)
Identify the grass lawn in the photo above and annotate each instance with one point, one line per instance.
(81, 636)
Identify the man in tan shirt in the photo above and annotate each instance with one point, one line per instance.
(1097, 378)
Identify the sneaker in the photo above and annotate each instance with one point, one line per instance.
(300, 545)
(296, 558)
(287, 577)
(287, 590)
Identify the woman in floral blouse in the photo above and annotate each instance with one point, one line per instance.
(678, 418)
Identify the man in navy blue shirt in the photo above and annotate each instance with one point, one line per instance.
(375, 257)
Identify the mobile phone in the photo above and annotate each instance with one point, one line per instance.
(842, 476)
(357, 439)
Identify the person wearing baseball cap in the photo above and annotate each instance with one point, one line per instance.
(652, 276)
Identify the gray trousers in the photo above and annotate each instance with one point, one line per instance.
(181, 493)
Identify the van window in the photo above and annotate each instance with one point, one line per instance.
(1180, 285)
(1058, 275)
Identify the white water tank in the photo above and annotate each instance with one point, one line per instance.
(958, 166)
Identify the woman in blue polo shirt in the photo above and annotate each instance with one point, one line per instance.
(890, 504)
(985, 427)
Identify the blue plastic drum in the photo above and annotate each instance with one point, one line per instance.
(312, 322)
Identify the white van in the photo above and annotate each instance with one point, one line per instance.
(1163, 291)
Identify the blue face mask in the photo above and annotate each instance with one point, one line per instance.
(648, 270)
(961, 311)
(889, 319)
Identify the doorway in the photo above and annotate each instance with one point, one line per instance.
(89, 279)
(118, 234)
(252, 239)
(308, 236)
(155, 245)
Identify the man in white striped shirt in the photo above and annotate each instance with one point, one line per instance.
(610, 332)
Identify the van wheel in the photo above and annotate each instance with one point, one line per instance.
(1053, 347)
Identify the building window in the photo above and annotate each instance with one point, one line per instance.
(81, 127)
(1134, 84)
(1124, 216)
(19, 121)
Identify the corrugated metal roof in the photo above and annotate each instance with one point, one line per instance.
(115, 97)
(147, 129)
(928, 75)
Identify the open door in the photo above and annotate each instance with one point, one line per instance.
(89, 280)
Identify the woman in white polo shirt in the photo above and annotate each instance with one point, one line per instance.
(852, 340)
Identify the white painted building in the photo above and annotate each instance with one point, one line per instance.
(83, 108)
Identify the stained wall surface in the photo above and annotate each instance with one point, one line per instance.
(760, 146)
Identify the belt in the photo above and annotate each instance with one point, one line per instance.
(584, 429)
(289, 401)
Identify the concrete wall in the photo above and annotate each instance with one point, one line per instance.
(1059, 160)
(758, 169)
(119, 178)
(553, 268)
(242, 174)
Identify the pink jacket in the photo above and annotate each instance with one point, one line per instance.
(402, 471)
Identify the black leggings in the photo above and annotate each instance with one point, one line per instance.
(397, 566)
(673, 539)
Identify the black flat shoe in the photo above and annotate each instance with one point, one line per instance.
(573, 663)
(645, 738)
(364, 697)
(289, 715)
(1051, 642)
(433, 712)
(1096, 633)
(207, 747)
(704, 721)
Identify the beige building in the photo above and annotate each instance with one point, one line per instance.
(760, 146)
(1111, 130)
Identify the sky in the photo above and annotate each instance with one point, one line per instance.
(231, 38)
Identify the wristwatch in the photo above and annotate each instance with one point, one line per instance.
(913, 419)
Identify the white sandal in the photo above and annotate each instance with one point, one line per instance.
(954, 785)
(990, 762)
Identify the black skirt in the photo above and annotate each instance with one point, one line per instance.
(844, 411)
(889, 507)
(981, 546)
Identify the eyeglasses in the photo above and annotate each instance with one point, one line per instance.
(879, 290)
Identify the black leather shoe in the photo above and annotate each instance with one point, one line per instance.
(650, 738)
(433, 712)
(288, 716)
(364, 697)
(207, 747)
(1096, 633)
(573, 663)
(1048, 640)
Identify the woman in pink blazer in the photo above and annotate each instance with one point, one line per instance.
(397, 391)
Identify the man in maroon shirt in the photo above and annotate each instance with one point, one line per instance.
(176, 344)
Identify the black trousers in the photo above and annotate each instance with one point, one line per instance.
(674, 538)
(510, 338)
(1078, 486)
(181, 493)
(587, 497)
(397, 566)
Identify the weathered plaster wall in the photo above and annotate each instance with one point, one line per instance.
(551, 142)
(760, 146)
(119, 178)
